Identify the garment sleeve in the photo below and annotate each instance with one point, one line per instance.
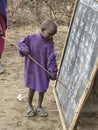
(51, 63)
(23, 46)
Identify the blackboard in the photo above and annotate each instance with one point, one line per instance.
(79, 62)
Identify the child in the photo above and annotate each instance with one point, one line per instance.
(41, 47)
(3, 26)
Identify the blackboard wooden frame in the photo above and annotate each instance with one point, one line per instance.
(54, 91)
(87, 88)
(82, 100)
(67, 35)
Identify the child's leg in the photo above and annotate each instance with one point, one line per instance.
(30, 108)
(41, 96)
(30, 96)
(40, 110)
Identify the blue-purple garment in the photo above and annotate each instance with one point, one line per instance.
(43, 52)
(3, 5)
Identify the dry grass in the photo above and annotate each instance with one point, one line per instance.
(25, 12)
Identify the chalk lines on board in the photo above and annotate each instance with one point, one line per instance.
(91, 3)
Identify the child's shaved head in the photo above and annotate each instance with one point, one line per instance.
(47, 24)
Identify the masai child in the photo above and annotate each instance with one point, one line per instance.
(3, 26)
(41, 47)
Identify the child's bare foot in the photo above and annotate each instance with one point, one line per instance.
(41, 112)
(30, 111)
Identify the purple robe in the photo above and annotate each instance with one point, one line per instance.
(43, 52)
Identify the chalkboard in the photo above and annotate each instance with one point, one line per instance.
(79, 62)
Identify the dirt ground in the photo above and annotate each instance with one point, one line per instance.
(13, 112)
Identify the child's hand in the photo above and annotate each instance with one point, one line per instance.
(53, 77)
(25, 53)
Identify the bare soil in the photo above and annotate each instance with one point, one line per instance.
(13, 112)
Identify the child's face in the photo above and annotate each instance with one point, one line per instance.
(48, 33)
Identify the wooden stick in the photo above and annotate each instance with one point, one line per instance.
(38, 64)
(32, 59)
